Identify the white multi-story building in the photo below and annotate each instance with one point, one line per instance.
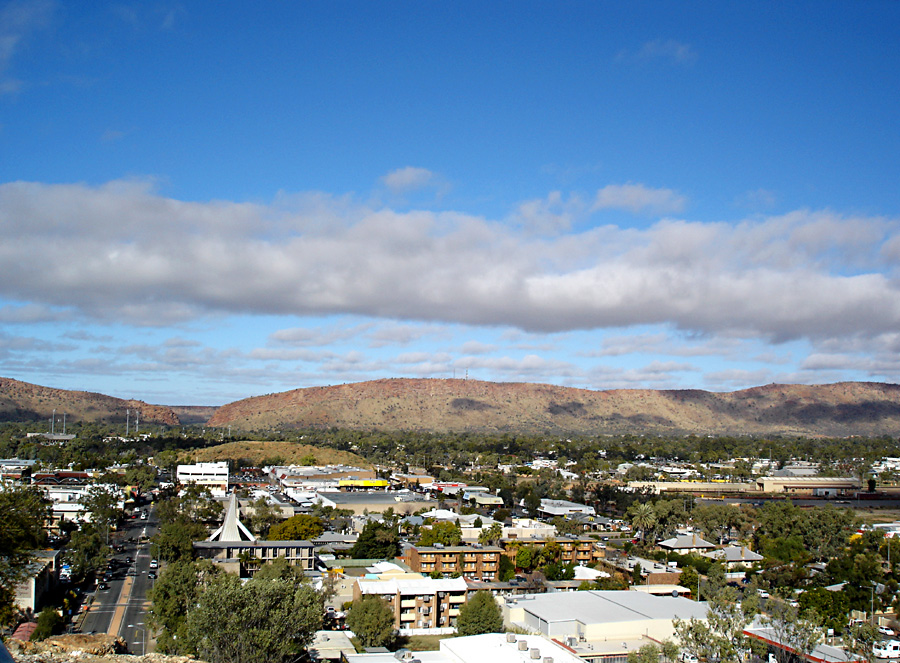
(212, 475)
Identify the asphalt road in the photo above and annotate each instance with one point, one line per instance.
(122, 609)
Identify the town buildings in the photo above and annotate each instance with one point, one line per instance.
(209, 475)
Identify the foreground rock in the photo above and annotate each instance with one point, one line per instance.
(99, 648)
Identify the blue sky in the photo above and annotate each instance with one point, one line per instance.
(201, 202)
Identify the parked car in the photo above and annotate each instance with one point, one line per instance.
(151, 575)
(154, 564)
(763, 594)
(884, 630)
(887, 649)
(102, 586)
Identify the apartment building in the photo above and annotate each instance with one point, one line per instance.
(473, 562)
(421, 605)
(211, 475)
(580, 551)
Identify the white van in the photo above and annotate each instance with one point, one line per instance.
(887, 649)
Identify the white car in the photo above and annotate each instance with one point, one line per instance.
(687, 657)
(884, 630)
(763, 594)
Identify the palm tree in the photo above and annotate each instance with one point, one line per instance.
(643, 517)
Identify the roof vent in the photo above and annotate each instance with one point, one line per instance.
(523, 645)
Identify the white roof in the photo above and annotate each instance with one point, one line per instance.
(495, 648)
(383, 567)
(686, 541)
(587, 573)
(600, 606)
(734, 554)
(412, 585)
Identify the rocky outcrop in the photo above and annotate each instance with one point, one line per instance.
(21, 401)
(78, 648)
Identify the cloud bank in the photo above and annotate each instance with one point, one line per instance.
(121, 251)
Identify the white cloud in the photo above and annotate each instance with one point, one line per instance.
(551, 215)
(477, 348)
(123, 252)
(638, 198)
(668, 49)
(18, 20)
(407, 179)
(758, 199)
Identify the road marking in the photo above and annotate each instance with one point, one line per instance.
(119, 615)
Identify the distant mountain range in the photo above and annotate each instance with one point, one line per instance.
(838, 410)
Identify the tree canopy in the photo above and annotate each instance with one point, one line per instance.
(269, 620)
(446, 533)
(372, 620)
(480, 614)
(301, 527)
(376, 541)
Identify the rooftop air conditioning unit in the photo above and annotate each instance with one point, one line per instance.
(534, 654)
(523, 645)
(510, 637)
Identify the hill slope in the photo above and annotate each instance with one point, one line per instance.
(851, 408)
(21, 401)
(271, 452)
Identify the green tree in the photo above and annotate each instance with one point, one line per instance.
(372, 620)
(526, 557)
(142, 477)
(174, 540)
(167, 460)
(262, 621)
(262, 515)
(172, 596)
(86, 551)
(506, 570)
(24, 510)
(642, 516)
(301, 527)
(48, 624)
(532, 504)
(376, 541)
(446, 533)
(859, 639)
(646, 654)
(690, 579)
(801, 636)
(637, 574)
(102, 502)
(833, 608)
(479, 614)
(491, 535)
(721, 637)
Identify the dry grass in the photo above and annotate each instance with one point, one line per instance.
(257, 452)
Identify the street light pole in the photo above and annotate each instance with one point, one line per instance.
(872, 614)
(140, 627)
